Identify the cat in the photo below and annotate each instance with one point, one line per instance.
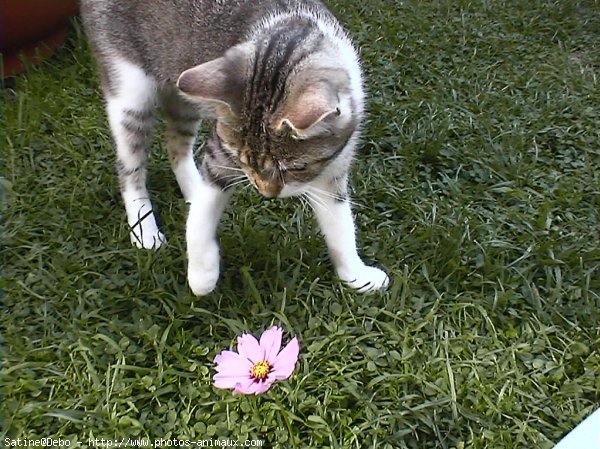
(283, 83)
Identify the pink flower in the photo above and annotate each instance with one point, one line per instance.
(256, 365)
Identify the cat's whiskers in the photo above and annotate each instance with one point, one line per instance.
(335, 196)
(240, 181)
(304, 201)
(315, 200)
(234, 180)
(234, 177)
(281, 171)
(305, 204)
(237, 183)
(224, 167)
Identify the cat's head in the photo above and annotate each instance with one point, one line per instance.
(283, 126)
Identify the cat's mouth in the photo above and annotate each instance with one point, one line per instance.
(269, 186)
(276, 188)
(268, 189)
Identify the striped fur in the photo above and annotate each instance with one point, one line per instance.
(283, 82)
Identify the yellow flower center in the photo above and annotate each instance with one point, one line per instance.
(260, 370)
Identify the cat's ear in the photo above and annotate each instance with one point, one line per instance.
(220, 81)
(316, 105)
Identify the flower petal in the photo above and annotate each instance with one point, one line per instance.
(285, 362)
(248, 347)
(262, 387)
(229, 381)
(270, 341)
(252, 387)
(233, 370)
(245, 386)
(232, 362)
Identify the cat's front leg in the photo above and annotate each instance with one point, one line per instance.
(130, 105)
(334, 215)
(206, 208)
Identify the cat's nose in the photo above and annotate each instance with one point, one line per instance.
(268, 196)
(268, 189)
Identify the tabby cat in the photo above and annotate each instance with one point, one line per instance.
(283, 82)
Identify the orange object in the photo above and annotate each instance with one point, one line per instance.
(31, 30)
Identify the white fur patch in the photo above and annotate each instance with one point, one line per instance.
(337, 225)
(201, 236)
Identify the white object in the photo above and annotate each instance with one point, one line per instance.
(585, 436)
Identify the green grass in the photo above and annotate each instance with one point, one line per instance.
(478, 188)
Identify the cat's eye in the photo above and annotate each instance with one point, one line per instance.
(299, 167)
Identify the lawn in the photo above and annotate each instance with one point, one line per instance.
(477, 187)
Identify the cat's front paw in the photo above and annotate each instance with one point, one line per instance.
(366, 279)
(203, 270)
(143, 229)
(149, 239)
